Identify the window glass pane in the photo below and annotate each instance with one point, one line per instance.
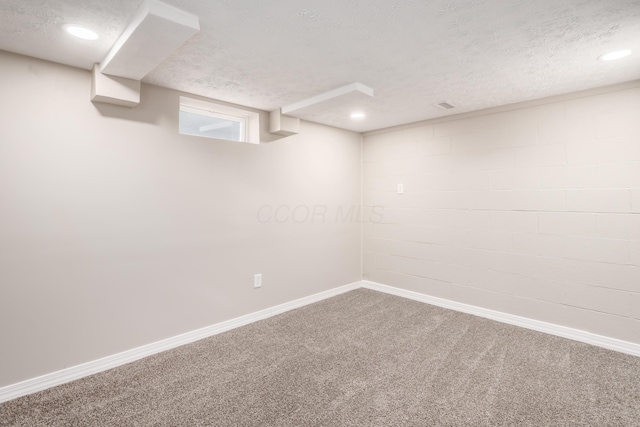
(211, 125)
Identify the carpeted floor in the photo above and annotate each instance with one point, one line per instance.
(363, 358)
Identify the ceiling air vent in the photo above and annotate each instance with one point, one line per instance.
(444, 105)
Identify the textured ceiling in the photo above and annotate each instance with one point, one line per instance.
(270, 53)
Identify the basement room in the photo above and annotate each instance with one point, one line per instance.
(304, 213)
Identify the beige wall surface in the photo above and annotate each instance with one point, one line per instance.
(116, 232)
(532, 211)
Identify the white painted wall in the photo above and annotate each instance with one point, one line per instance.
(116, 232)
(533, 211)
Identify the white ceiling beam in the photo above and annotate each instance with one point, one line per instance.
(156, 32)
(327, 96)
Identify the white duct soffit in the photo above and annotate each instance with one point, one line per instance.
(114, 90)
(283, 125)
(337, 97)
(156, 31)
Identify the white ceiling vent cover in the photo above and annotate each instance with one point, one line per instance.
(444, 105)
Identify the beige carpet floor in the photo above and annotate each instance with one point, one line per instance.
(363, 358)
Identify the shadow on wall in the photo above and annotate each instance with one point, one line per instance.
(157, 106)
(160, 111)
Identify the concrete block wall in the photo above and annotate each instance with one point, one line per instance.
(533, 211)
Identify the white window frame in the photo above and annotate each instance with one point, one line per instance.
(249, 120)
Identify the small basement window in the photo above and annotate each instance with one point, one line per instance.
(211, 120)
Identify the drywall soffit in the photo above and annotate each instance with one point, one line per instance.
(344, 95)
(283, 125)
(156, 31)
(114, 90)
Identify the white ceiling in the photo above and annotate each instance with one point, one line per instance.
(270, 53)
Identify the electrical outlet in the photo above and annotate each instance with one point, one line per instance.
(400, 189)
(257, 280)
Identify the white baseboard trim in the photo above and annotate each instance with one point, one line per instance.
(53, 379)
(63, 376)
(511, 319)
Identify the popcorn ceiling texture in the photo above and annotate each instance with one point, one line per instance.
(266, 54)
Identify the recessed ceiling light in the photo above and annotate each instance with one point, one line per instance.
(615, 55)
(357, 115)
(80, 32)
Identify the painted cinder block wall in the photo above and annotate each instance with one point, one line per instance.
(532, 211)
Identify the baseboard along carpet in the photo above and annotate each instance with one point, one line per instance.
(363, 358)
